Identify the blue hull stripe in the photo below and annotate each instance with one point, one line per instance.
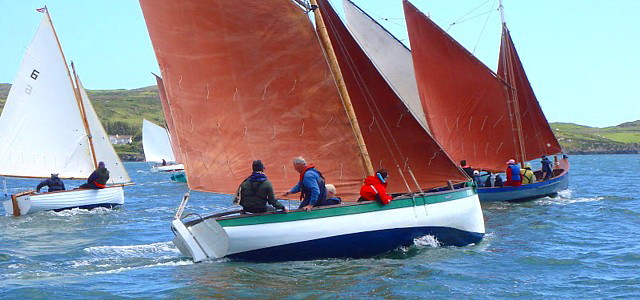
(91, 206)
(358, 245)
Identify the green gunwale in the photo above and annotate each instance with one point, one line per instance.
(349, 209)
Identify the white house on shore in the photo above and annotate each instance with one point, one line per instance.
(120, 139)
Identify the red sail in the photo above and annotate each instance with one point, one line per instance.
(537, 135)
(465, 102)
(248, 80)
(166, 110)
(395, 140)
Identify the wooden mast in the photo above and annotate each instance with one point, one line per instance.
(76, 90)
(342, 87)
(513, 91)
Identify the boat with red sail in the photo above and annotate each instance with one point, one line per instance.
(251, 80)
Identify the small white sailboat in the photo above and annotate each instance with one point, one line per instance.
(48, 125)
(157, 148)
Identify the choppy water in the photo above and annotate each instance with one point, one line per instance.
(583, 244)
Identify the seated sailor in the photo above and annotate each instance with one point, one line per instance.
(256, 191)
(527, 175)
(375, 188)
(513, 174)
(97, 179)
(331, 196)
(54, 183)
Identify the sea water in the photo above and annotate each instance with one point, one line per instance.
(582, 244)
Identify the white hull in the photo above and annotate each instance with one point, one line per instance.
(168, 168)
(455, 222)
(81, 198)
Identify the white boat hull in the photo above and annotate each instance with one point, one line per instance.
(168, 168)
(79, 198)
(359, 230)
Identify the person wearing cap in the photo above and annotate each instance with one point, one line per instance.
(476, 178)
(527, 175)
(54, 183)
(256, 191)
(547, 170)
(375, 188)
(97, 179)
(513, 174)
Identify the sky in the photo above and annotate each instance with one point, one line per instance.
(581, 56)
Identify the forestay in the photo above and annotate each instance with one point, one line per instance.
(41, 129)
(155, 143)
(390, 56)
(101, 144)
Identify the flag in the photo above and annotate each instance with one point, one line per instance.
(41, 10)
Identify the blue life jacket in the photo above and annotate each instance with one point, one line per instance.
(515, 172)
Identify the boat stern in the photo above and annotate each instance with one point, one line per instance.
(200, 241)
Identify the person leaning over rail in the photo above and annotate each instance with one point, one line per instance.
(256, 191)
(375, 188)
(311, 185)
(54, 183)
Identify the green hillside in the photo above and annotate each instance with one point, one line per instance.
(122, 111)
(579, 139)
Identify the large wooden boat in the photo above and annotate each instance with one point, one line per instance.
(250, 80)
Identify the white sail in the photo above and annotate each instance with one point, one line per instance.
(156, 143)
(41, 129)
(101, 144)
(389, 55)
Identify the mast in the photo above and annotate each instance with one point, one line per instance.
(342, 87)
(513, 90)
(83, 114)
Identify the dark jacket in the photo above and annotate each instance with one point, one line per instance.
(468, 170)
(255, 192)
(373, 186)
(54, 184)
(99, 176)
(546, 165)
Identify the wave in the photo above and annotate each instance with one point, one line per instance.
(160, 264)
(133, 250)
(77, 211)
(427, 241)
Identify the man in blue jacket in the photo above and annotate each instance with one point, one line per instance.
(54, 183)
(311, 184)
(547, 170)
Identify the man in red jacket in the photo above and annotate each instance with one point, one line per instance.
(375, 188)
